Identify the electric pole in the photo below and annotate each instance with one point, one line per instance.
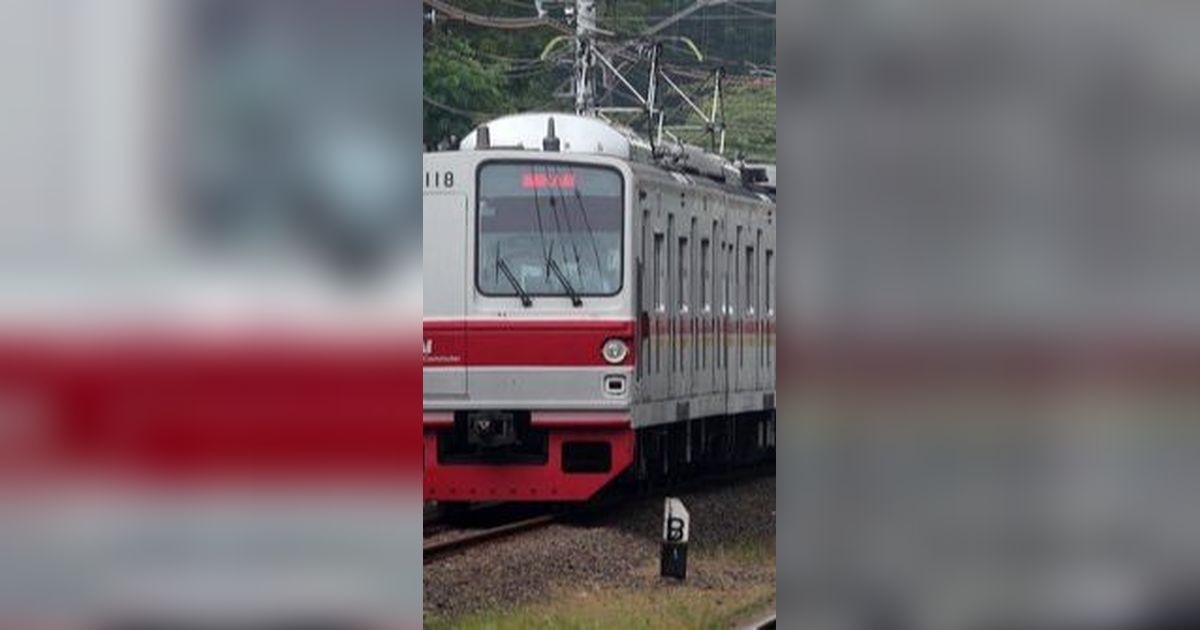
(585, 28)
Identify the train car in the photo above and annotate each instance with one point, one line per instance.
(593, 307)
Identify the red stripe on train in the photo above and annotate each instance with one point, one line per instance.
(189, 409)
(526, 343)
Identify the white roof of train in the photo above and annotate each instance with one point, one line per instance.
(577, 134)
(594, 136)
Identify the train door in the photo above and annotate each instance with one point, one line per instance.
(714, 318)
(657, 365)
(737, 312)
(683, 272)
(707, 283)
(747, 369)
(717, 317)
(444, 348)
(671, 312)
(645, 299)
(759, 313)
(694, 305)
(726, 380)
(769, 314)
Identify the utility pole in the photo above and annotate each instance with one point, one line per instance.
(717, 142)
(585, 28)
(653, 120)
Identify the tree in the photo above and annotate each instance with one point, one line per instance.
(474, 73)
(460, 90)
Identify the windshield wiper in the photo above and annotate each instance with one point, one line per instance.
(526, 301)
(576, 301)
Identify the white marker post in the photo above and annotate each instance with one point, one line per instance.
(676, 523)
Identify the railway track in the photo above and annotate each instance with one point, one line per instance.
(436, 550)
(479, 516)
(766, 622)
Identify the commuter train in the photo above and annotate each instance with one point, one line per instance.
(594, 307)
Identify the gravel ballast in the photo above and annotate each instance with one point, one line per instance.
(732, 545)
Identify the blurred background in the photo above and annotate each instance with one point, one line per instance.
(487, 58)
(990, 417)
(209, 312)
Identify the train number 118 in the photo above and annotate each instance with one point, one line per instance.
(439, 179)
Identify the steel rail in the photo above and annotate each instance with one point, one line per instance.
(766, 622)
(440, 549)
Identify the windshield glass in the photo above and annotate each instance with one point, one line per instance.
(555, 227)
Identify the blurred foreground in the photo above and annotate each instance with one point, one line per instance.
(994, 314)
(209, 306)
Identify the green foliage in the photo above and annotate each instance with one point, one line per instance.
(461, 87)
(749, 121)
(474, 73)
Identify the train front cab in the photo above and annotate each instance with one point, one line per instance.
(529, 333)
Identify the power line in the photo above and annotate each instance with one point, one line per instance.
(619, 52)
(696, 6)
(516, 64)
(523, 4)
(527, 61)
(504, 23)
(461, 112)
(752, 11)
(721, 17)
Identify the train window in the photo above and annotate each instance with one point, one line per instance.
(658, 274)
(749, 305)
(770, 270)
(725, 279)
(737, 270)
(550, 225)
(757, 270)
(683, 274)
(705, 273)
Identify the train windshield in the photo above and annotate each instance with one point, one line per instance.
(549, 229)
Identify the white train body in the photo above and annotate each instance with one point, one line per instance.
(587, 313)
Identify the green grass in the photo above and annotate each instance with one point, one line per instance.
(695, 604)
(749, 552)
(668, 606)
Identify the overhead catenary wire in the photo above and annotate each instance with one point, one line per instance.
(466, 113)
(752, 11)
(726, 17)
(505, 23)
(516, 71)
(473, 115)
(750, 70)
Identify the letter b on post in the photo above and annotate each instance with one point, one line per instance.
(676, 525)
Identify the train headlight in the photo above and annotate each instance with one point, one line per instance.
(615, 351)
